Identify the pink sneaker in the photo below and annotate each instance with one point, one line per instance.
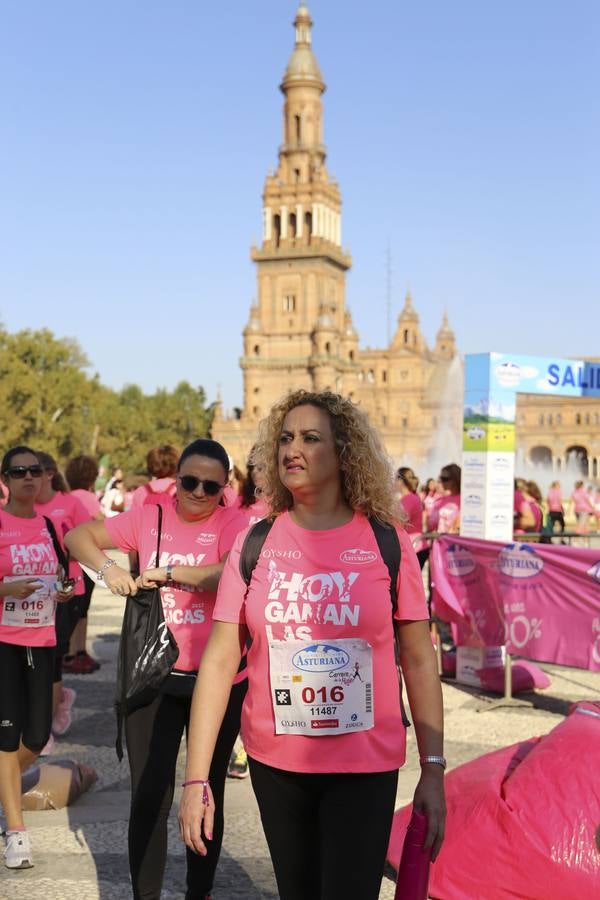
(62, 717)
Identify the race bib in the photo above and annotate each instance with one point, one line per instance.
(322, 687)
(37, 610)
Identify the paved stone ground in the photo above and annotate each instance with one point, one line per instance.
(81, 852)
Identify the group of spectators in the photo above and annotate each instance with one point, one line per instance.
(535, 514)
(319, 748)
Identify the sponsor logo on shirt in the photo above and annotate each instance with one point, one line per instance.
(358, 556)
(281, 554)
(10, 534)
(519, 561)
(206, 537)
(164, 536)
(321, 658)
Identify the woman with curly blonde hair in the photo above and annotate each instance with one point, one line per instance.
(322, 721)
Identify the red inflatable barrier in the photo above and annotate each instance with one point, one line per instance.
(524, 821)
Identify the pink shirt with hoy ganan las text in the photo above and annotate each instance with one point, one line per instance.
(188, 611)
(321, 586)
(26, 550)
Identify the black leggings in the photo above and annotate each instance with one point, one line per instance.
(327, 833)
(153, 736)
(25, 696)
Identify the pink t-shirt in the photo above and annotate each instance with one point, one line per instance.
(188, 611)
(414, 510)
(26, 549)
(151, 492)
(89, 500)
(444, 515)
(295, 595)
(65, 512)
(413, 507)
(555, 500)
(252, 514)
(581, 501)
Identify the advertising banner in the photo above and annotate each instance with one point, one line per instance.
(540, 601)
(492, 382)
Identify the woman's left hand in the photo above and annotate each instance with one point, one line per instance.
(150, 578)
(429, 799)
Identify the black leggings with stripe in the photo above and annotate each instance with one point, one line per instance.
(153, 736)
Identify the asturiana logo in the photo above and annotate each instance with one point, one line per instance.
(473, 500)
(508, 374)
(459, 561)
(320, 658)
(358, 556)
(519, 561)
(206, 538)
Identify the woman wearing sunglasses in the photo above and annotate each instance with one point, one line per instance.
(29, 574)
(196, 536)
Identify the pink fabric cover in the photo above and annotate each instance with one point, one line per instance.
(522, 821)
(525, 677)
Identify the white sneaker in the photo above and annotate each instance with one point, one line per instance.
(18, 851)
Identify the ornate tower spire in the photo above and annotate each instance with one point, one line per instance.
(445, 341)
(297, 332)
(301, 203)
(408, 334)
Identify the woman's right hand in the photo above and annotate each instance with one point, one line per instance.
(119, 581)
(196, 818)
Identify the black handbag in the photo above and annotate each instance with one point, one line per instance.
(147, 651)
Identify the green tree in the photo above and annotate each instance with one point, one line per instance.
(48, 400)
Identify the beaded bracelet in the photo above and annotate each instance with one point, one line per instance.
(205, 797)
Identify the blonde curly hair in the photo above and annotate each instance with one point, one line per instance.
(366, 470)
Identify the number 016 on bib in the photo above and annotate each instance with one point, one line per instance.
(323, 687)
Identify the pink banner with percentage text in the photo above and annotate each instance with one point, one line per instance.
(541, 600)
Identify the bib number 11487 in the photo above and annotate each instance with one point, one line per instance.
(321, 688)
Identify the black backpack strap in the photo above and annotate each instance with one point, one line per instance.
(61, 555)
(253, 544)
(389, 547)
(391, 553)
(158, 531)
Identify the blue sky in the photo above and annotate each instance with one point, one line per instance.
(135, 138)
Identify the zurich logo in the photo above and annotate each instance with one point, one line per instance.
(320, 658)
(459, 561)
(519, 561)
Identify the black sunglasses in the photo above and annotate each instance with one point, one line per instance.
(21, 471)
(190, 483)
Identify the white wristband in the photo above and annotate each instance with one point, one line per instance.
(438, 760)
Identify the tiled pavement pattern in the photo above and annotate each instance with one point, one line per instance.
(81, 852)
